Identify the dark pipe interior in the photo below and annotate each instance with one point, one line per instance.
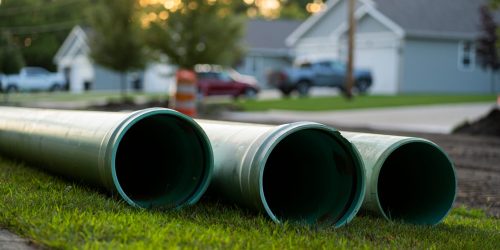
(309, 177)
(416, 184)
(161, 161)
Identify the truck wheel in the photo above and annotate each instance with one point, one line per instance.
(286, 92)
(250, 93)
(362, 86)
(303, 88)
(11, 89)
(55, 88)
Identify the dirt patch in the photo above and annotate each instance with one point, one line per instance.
(488, 125)
(477, 163)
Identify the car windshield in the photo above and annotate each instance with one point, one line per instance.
(338, 65)
(35, 71)
(224, 76)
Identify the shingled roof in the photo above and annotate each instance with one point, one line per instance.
(444, 18)
(264, 34)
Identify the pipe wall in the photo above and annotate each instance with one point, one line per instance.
(408, 179)
(151, 158)
(301, 172)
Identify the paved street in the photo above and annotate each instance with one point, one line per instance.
(430, 119)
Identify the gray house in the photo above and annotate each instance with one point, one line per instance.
(266, 48)
(411, 46)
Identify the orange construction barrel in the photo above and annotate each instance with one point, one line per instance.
(185, 96)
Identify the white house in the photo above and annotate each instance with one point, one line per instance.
(73, 59)
(411, 46)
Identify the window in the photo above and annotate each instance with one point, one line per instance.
(207, 75)
(338, 66)
(305, 65)
(466, 56)
(223, 76)
(35, 71)
(326, 65)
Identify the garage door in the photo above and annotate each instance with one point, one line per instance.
(383, 64)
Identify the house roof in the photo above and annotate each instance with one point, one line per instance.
(75, 39)
(444, 18)
(261, 36)
(447, 19)
(264, 34)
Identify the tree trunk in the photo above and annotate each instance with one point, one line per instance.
(5, 97)
(123, 87)
(492, 81)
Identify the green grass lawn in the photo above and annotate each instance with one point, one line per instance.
(70, 97)
(56, 213)
(368, 101)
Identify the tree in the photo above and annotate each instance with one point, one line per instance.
(11, 59)
(272, 9)
(38, 27)
(116, 42)
(486, 44)
(198, 32)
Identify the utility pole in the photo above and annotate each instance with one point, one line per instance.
(350, 50)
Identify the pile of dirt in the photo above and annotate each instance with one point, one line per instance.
(488, 125)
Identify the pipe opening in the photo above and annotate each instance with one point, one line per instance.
(309, 177)
(162, 161)
(417, 184)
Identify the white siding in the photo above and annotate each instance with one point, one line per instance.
(81, 71)
(377, 51)
(159, 78)
(320, 49)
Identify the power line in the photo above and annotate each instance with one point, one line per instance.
(10, 11)
(25, 30)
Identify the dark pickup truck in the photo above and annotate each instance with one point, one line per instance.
(321, 73)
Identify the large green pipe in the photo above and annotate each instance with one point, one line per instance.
(300, 172)
(408, 179)
(151, 158)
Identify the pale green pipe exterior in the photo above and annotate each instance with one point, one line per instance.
(83, 145)
(376, 149)
(241, 151)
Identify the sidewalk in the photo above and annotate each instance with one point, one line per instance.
(10, 241)
(432, 118)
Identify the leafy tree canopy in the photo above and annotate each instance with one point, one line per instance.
(38, 27)
(486, 44)
(116, 41)
(11, 59)
(197, 32)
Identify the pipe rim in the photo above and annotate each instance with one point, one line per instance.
(282, 132)
(137, 116)
(383, 157)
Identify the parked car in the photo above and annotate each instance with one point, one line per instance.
(2, 79)
(215, 80)
(321, 73)
(33, 78)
